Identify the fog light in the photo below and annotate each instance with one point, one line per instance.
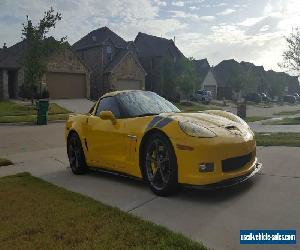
(206, 167)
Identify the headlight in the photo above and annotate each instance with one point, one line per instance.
(196, 130)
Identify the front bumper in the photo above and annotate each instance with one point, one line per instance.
(231, 182)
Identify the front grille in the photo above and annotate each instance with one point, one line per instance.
(234, 163)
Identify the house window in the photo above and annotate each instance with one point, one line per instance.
(109, 53)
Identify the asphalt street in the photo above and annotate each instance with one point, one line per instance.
(269, 201)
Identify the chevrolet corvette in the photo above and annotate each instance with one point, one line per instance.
(140, 134)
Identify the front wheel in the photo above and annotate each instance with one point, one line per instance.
(76, 154)
(160, 165)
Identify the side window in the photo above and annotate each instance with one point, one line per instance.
(109, 104)
(109, 53)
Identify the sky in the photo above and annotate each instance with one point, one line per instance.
(246, 30)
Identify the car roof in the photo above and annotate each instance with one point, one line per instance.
(114, 93)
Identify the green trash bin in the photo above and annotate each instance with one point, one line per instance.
(42, 112)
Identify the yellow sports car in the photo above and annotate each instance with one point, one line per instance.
(139, 133)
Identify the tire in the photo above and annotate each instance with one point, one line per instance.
(160, 169)
(76, 154)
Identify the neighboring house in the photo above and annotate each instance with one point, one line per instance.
(255, 79)
(201, 67)
(152, 51)
(210, 83)
(66, 76)
(205, 77)
(112, 61)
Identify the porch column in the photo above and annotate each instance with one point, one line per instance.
(5, 94)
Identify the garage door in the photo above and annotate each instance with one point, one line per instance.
(66, 85)
(127, 84)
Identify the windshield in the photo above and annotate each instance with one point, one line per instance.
(142, 103)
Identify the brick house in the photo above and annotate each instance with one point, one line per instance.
(66, 76)
(112, 60)
(152, 51)
(205, 77)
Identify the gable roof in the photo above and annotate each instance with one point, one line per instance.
(202, 67)
(148, 46)
(12, 57)
(224, 70)
(119, 58)
(98, 37)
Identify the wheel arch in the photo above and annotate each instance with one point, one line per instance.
(71, 132)
(146, 136)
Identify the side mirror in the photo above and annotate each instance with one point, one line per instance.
(108, 115)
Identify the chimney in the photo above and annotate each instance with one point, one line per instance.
(4, 46)
(174, 39)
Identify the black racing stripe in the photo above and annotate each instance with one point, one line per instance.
(163, 122)
(153, 122)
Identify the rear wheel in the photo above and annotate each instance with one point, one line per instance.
(76, 154)
(160, 165)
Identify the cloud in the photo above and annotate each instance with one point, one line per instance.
(226, 12)
(221, 4)
(160, 3)
(251, 21)
(264, 28)
(207, 18)
(194, 8)
(255, 34)
(178, 3)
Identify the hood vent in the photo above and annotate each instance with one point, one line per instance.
(231, 128)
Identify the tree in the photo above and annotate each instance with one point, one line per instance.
(291, 57)
(168, 79)
(38, 49)
(186, 77)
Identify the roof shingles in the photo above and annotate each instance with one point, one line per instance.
(98, 37)
(149, 46)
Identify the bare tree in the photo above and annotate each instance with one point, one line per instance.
(291, 57)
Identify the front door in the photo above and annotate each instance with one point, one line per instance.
(107, 142)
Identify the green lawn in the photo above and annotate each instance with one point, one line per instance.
(31, 118)
(11, 112)
(38, 215)
(5, 162)
(284, 121)
(256, 118)
(293, 112)
(195, 107)
(278, 139)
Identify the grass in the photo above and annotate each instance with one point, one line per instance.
(256, 118)
(11, 112)
(292, 112)
(39, 215)
(195, 107)
(5, 162)
(8, 108)
(284, 121)
(31, 118)
(278, 139)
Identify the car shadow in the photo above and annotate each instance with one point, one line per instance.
(185, 193)
(218, 195)
(117, 177)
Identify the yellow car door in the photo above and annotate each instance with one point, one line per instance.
(107, 142)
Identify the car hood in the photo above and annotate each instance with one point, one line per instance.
(204, 119)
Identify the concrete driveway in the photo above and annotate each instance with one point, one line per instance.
(75, 105)
(270, 201)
